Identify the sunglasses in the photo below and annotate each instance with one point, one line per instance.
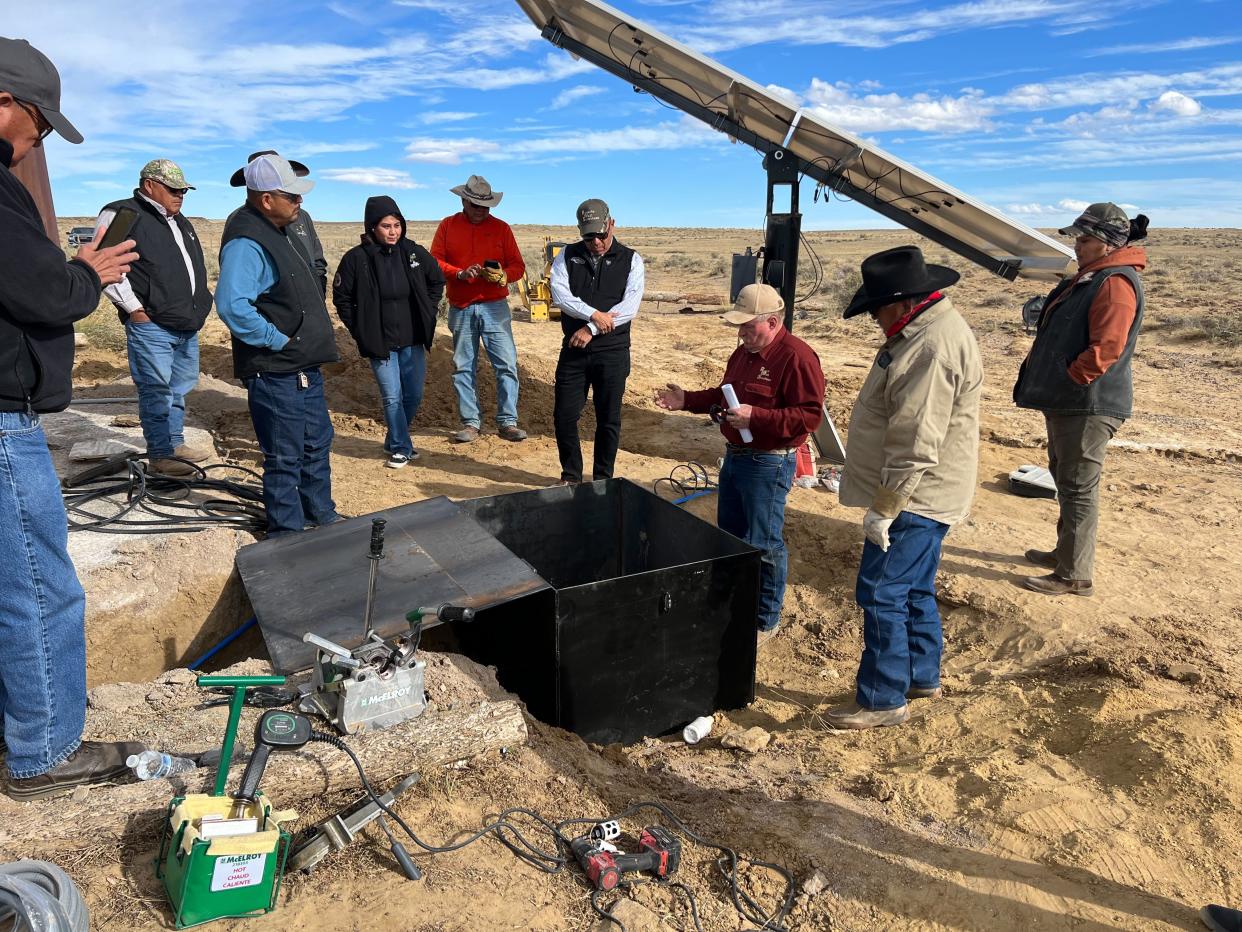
(291, 198)
(594, 237)
(180, 192)
(36, 117)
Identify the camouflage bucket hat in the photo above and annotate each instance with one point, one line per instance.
(1106, 222)
(166, 172)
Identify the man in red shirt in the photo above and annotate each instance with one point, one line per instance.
(479, 258)
(780, 393)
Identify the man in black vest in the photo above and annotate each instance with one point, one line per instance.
(598, 285)
(163, 303)
(301, 232)
(269, 297)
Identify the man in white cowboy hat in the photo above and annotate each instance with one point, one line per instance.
(780, 400)
(163, 303)
(272, 304)
(911, 460)
(479, 258)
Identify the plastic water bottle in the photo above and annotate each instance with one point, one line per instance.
(154, 765)
(697, 730)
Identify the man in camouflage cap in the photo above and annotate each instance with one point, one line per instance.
(163, 303)
(1105, 221)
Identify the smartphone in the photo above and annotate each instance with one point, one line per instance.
(491, 264)
(118, 229)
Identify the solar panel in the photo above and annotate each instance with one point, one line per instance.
(746, 112)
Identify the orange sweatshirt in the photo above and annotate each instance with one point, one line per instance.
(1111, 315)
(459, 244)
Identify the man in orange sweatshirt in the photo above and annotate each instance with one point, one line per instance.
(479, 258)
(1078, 374)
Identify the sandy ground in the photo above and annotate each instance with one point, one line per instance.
(1082, 770)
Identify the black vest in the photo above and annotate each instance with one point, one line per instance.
(1064, 332)
(601, 288)
(293, 305)
(159, 277)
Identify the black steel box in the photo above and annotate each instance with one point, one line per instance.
(649, 620)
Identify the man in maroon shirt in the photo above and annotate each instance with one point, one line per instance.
(780, 400)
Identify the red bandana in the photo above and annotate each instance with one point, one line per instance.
(914, 312)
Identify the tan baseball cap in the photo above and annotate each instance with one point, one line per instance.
(754, 301)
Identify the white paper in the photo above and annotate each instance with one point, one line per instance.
(233, 871)
(730, 397)
(223, 828)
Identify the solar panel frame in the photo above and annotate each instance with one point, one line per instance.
(733, 104)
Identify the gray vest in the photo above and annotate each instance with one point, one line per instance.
(1064, 332)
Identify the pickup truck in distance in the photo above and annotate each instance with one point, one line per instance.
(80, 236)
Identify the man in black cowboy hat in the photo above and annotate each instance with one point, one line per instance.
(301, 231)
(911, 461)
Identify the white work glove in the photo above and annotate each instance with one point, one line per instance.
(875, 528)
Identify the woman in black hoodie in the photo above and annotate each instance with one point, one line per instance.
(387, 291)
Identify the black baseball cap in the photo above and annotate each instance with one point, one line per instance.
(239, 177)
(30, 76)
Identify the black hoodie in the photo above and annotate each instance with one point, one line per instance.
(356, 289)
(41, 296)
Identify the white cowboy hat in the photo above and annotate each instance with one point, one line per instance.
(478, 191)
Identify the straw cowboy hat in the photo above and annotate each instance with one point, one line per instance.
(478, 192)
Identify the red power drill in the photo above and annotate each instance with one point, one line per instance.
(660, 854)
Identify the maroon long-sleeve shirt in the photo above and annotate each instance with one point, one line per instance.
(783, 383)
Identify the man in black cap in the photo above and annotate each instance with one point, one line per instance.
(301, 231)
(42, 605)
(598, 285)
(911, 460)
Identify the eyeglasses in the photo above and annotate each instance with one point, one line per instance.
(594, 237)
(36, 117)
(179, 192)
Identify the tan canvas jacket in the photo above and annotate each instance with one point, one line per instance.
(913, 441)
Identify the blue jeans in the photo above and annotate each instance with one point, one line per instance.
(42, 607)
(295, 435)
(901, 624)
(751, 505)
(400, 379)
(491, 323)
(164, 366)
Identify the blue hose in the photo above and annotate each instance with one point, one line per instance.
(699, 494)
(223, 643)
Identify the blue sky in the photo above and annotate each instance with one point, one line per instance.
(1036, 107)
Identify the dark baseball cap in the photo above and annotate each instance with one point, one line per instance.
(593, 216)
(30, 76)
(238, 180)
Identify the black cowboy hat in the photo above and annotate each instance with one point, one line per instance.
(895, 274)
(239, 177)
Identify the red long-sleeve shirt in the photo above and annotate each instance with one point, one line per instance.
(784, 385)
(459, 244)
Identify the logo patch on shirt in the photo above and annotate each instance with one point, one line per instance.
(413, 262)
(764, 375)
(578, 260)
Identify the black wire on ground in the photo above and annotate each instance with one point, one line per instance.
(143, 502)
(553, 863)
(688, 478)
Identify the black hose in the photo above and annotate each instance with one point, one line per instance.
(37, 895)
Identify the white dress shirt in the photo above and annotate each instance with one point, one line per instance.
(623, 312)
(121, 294)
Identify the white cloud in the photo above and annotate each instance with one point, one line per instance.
(569, 95)
(1066, 206)
(1177, 103)
(372, 177)
(1177, 45)
(450, 151)
(310, 149)
(434, 117)
(874, 113)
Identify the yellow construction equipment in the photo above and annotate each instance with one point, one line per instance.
(536, 294)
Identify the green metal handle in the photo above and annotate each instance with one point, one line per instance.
(239, 684)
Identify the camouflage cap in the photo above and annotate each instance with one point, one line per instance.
(1105, 221)
(166, 172)
(593, 216)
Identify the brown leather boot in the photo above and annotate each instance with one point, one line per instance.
(1046, 558)
(858, 717)
(92, 762)
(1052, 584)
